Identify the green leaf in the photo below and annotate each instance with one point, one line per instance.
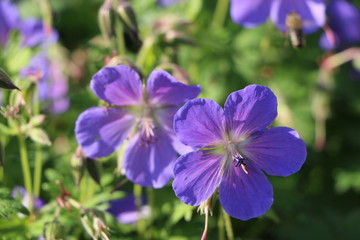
(5, 81)
(11, 206)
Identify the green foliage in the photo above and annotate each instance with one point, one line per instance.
(10, 206)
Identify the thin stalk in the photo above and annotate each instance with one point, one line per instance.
(119, 38)
(204, 235)
(141, 223)
(228, 225)
(38, 149)
(144, 51)
(220, 14)
(46, 14)
(26, 170)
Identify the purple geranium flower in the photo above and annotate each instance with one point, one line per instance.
(53, 86)
(125, 210)
(24, 196)
(234, 146)
(35, 33)
(344, 25)
(9, 20)
(145, 116)
(251, 13)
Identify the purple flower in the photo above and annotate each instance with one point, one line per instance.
(35, 33)
(234, 147)
(53, 86)
(146, 117)
(9, 20)
(344, 24)
(125, 210)
(20, 192)
(251, 13)
(167, 3)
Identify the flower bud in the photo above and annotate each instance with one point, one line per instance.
(54, 230)
(105, 18)
(94, 169)
(129, 24)
(78, 165)
(94, 223)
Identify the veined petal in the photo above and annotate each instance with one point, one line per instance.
(199, 123)
(196, 176)
(120, 85)
(150, 164)
(164, 89)
(249, 110)
(250, 13)
(165, 119)
(100, 131)
(278, 151)
(312, 13)
(244, 196)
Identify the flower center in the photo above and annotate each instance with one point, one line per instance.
(236, 156)
(147, 127)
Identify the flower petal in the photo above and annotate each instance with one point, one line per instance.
(199, 123)
(312, 13)
(100, 131)
(250, 13)
(120, 85)
(162, 88)
(197, 175)
(150, 165)
(244, 196)
(249, 110)
(9, 19)
(278, 151)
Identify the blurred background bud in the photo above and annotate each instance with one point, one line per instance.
(105, 18)
(78, 165)
(54, 230)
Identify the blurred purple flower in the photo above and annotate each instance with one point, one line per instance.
(35, 33)
(251, 13)
(146, 117)
(344, 25)
(234, 147)
(125, 210)
(20, 192)
(53, 86)
(9, 20)
(167, 3)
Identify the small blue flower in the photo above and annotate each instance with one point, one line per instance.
(34, 33)
(9, 20)
(167, 3)
(144, 116)
(20, 192)
(53, 85)
(251, 13)
(344, 25)
(125, 210)
(234, 147)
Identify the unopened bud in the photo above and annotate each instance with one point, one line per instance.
(105, 18)
(78, 165)
(94, 169)
(54, 230)
(94, 223)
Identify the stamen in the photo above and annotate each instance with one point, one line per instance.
(147, 131)
(240, 161)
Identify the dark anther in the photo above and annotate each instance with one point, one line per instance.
(239, 161)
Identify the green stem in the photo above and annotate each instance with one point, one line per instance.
(141, 223)
(220, 14)
(26, 170)
(119, 38)
(38, 149)
(46, 12)
(144, 51)
(228, 225)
